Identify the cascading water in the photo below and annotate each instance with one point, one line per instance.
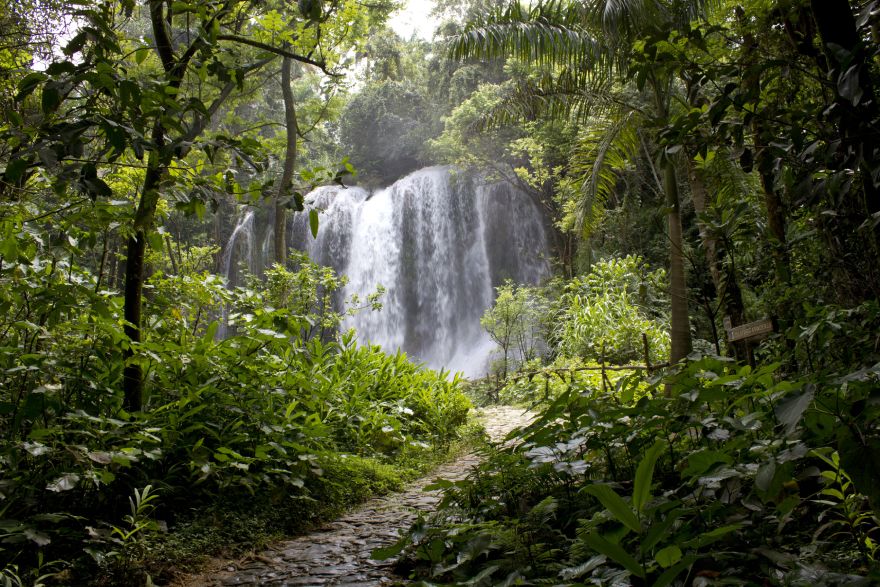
(438, 241)
(242, 233)
(242, 245)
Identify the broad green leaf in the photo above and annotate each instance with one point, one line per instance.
(155, 240)
(28, 84)
(37, 537)
(211, 332)
(658, 531)
(313, 222)
(386, 552)
(789, 412)
(141, 54)
(615, 504)
(667, 577)
(615, 552)
(439, 484)
(701, 461)
(485, 573)
(50, 99)
(15, 170)
(668, 556)
(9, 249)
(645, 475)
(849, 86)
(711, 536)
(101, 457)
(64, 483)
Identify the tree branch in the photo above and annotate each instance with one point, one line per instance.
(199, 125)
(278, 51)
(163, 39)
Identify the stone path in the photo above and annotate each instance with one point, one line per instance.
(339, 552)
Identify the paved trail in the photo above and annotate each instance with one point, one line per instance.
(339, 552)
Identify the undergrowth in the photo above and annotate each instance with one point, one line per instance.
(715, 474)
(283, 420)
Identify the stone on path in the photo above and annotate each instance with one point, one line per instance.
(338, 553)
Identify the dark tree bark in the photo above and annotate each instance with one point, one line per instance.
(133, 380)
(680, 331)
(160, 157)
(289, 164)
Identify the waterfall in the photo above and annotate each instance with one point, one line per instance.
(439, 242)
(243, 228)
(244, 234)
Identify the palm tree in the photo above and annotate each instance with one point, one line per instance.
(587, 46)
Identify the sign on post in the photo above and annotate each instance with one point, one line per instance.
(751, 330)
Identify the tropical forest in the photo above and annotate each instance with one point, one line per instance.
(465, 293)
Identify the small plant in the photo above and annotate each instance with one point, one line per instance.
(849, 512)
(128, 543)
(606, 487)
(35, 577)
(602, 315)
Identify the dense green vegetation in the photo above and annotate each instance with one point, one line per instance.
(137, 437)
(752, 128)
(702, 165)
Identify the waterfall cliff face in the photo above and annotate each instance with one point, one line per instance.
(438, 242)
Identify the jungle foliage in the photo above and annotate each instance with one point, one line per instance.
(149, 408)
(752, 128)
(262, 411)
(701, 165)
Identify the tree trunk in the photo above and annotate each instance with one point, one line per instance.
(710, 244)
(133, 384)
(679, 320)
(763, 160)
(680, 331)
(775, 214)
(289, 164)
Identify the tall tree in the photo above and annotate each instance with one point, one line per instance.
(114, 100)
(284, 184)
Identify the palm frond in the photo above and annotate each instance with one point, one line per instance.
(550, 33)
(596, 34)
(726, 179)
(618, 18)
(605, 149)
(568, 95)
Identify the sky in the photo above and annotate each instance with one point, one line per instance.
(415, 18)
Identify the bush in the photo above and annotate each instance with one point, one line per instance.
(266, 411)
(609, 309)
(734, 473)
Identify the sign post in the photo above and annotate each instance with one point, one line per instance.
(750, 331)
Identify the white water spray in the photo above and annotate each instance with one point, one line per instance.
(438, 242)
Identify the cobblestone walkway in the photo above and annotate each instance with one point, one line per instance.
(339, 552)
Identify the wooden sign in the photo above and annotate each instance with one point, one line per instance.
(751, 330)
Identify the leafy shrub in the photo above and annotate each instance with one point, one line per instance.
(542, 384)
(735, 473)
(608, 309)
(601, 315)
(261, 412)
(516, 323)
